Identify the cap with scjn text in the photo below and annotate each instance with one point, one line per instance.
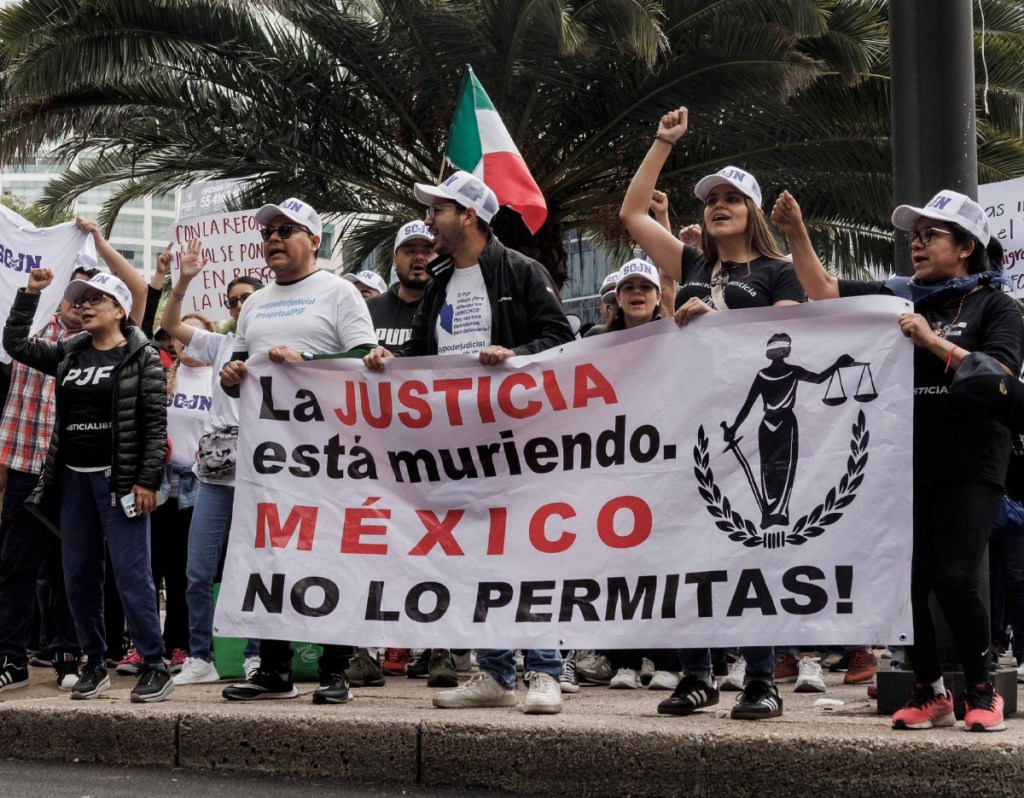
(106, 283)
(946, 206)
(369, 279)
(411, 231)
(463, 188)
(295, 209)
(740, 180)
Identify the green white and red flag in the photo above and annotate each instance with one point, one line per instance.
(479, 143)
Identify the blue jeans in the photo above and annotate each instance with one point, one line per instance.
(501, 664)
(207, 538)
(87, 521)
(760, 662)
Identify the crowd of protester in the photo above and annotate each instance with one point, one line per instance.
(122, 441)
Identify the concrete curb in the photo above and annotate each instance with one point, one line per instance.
(604, 743)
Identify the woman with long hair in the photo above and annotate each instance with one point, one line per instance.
(738, 265)
(105, 462)
(960, 457)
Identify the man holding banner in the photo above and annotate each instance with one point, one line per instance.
(492, 303)
(305, 311)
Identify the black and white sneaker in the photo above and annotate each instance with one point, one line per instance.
(690, 695)
(13, 675)
(263, 685)
(154, 684)
(333, 689)
(92, 681)
(758, 700)
(65, 664)
(568, 681)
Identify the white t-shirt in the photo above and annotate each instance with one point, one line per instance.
(215, 349)
(321, 313)
(187, 410)
(464, 325)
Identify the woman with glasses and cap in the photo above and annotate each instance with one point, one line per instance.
(105, 463)
(960, 456)
(738, 265)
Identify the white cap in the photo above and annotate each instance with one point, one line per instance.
(411, 231)
(608, 288)
(463, 188)
(639, 268)
(296, 210)
(369, 279)
(946, 206)
(106, 283)
(743, 182)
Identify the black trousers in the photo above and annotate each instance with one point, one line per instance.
(277, 655)
(952, 523)
(169, 527)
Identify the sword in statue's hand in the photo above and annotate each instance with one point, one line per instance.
(733, 445)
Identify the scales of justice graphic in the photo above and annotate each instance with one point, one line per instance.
(778, 439)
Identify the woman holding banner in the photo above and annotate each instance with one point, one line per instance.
(105, 462)
(960, 455)
(738, 265)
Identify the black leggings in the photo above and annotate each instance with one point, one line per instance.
(952, 524)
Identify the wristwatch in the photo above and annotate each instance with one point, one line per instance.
(307, 355)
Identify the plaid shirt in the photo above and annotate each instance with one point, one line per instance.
(29, 414)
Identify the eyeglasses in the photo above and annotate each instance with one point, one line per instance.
(434, 210)
(284, 231)
(93, 300)
(926, 235)
(233, 302)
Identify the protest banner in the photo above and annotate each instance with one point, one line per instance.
(24, 247)
(744, 480)
(1004, 204)
(232, 247)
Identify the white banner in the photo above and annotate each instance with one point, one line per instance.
(24, 247)
(232, 248)
(589, 496)
(1004, 204)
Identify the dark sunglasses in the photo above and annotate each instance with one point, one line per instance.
(233, 302)
(283, 230)
(93, 300)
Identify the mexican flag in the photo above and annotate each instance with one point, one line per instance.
(479, 143)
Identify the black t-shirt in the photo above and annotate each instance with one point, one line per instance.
(392, 318)
(86, 405)
(761, 284)
(950, 442)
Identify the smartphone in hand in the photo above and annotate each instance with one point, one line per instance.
(128, 505)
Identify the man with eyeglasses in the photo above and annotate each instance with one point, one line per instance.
(304, 311)
(25, 545)
(493, 303)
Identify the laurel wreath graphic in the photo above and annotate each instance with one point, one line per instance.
(742, 530)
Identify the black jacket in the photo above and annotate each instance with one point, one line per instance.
(139, 435)
(526, 313)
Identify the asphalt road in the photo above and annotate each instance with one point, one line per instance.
(31, 779)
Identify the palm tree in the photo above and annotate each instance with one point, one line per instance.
(347, 102)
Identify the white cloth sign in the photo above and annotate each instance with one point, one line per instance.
(588, 496)
(232, 247)
(1004, 204)
(24, 247)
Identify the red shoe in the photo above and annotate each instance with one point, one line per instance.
(395, 660)
(984, 709)
(178, 658)
(925, 710)
(787, 668)
(861, 668)
(873, 690)
(130, 665)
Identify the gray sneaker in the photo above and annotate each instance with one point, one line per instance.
(441, 672)
(595, 669)
(364, 670)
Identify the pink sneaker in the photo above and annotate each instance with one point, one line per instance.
(984, 709)
(925, 710)
(178, 658)
(130, 665)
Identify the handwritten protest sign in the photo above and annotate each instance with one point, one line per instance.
(741, 481)
(1004, 204)
(232, 248)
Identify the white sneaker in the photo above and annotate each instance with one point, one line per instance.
(67, 681)
(593, 668)
(625, 679)
(808, 678)
(737, 673)
(250, 666)
(520, 659)
(463, 662)
(664, 680)
(544, 696)
(481, 690)
(1020, 673)
(196, 671)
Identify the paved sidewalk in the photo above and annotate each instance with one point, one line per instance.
(605, 742)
